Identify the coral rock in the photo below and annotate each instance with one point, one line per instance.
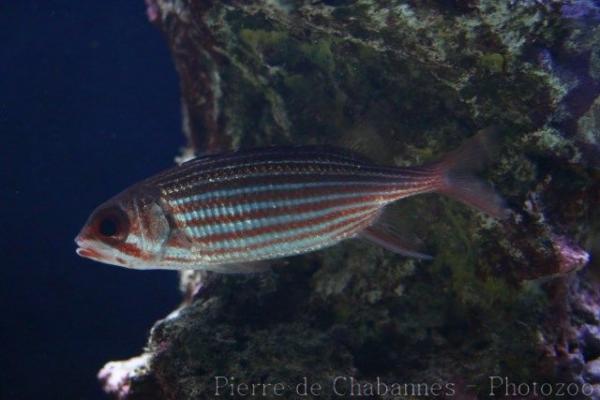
(406, 82)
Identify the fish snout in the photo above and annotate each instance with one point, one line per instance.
(85, 247)
(87, 253)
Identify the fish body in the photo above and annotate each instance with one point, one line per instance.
(227, 212)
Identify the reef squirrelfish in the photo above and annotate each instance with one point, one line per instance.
(228, 212)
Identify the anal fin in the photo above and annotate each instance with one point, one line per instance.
(385, 237)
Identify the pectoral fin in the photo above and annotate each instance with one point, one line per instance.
(385, 237)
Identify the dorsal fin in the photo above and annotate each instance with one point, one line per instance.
(281, 152)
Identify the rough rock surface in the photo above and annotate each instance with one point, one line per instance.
(405, 81)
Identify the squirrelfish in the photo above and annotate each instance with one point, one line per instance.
(232, 211)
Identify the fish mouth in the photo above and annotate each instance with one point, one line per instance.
(87, 253)
(85, 249)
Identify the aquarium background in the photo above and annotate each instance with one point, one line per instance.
(89, 104)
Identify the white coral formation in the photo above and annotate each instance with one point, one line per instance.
(116, 376)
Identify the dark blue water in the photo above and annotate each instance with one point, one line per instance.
(88, 105)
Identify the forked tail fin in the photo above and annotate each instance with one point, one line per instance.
(458, 180)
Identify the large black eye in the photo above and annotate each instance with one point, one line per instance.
(112, 224)
(108, 227)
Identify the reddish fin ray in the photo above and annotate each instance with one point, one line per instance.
(458, 181)
(388, 239)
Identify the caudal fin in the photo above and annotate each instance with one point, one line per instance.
(458, 179)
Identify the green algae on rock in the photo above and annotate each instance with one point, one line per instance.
(406, 81)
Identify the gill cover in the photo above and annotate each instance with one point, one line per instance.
(153, 228)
